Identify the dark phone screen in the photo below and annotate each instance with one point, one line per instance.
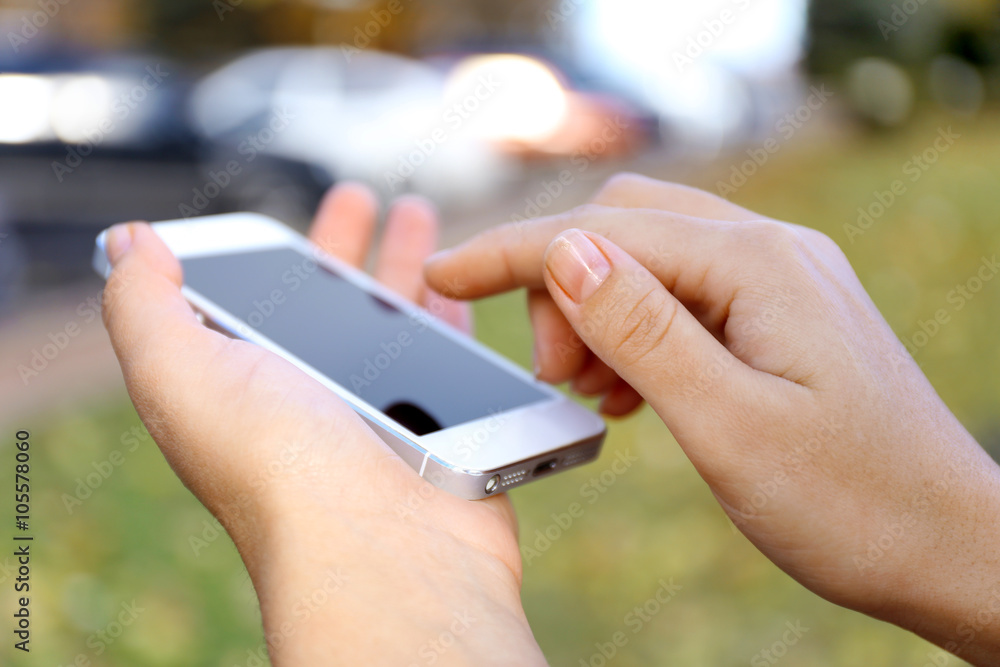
(392, 360)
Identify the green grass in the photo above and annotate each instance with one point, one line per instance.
(131, 539)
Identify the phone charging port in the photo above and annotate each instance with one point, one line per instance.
(544, 467)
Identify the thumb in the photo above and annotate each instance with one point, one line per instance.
(161, 346)
(635, 325)
(144, 311)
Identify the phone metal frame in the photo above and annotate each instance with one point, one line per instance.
(511, 451)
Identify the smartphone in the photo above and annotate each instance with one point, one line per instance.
(466, 419)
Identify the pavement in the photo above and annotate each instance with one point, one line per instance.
(55, 354)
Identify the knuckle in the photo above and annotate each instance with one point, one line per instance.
(776, 239)
(625, 181)
(823, 243)
(644, 327)
(583, 215)
(507, 232)
(818, 237)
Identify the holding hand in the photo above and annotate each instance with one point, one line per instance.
(756, 344)
(355, 558)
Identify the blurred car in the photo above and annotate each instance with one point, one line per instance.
(363, 115)
(87, 143)
(453, 128)
(552, 107)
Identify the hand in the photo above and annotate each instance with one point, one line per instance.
(355, 559)
(756, 344)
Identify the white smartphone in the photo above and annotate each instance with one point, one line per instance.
(466, 419)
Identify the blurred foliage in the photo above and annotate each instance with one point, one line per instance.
(131, 540)
(911, 32)
(189, 28)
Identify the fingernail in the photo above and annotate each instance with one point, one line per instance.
(118, 240)
(578, 265)
(534, 362)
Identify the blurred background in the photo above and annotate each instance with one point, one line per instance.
(875, 121)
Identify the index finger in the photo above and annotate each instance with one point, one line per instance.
(669, 244)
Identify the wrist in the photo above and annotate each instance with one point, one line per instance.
(345, 587)
(948, 585)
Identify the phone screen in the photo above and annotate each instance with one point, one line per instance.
(393, 360)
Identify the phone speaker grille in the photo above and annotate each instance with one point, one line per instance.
(578, 457)
(513, 478)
